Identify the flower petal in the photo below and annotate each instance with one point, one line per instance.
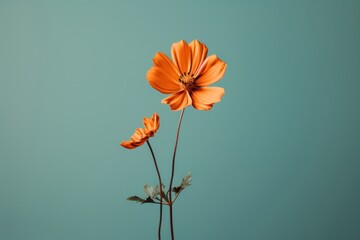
(200, 106)
(162, 61)
(163, 80)
(205, 97)
(178, 100)
(151, 124)
(139, 135)
(127, 144)
(198, 55)
(181, 56)
(211, 71)
(131, 145)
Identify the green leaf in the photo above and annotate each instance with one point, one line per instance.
(186, 181)
(136, 199)
(148, 200)
(140, 200)
(177, 189)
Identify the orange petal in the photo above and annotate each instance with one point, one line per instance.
(201, 106)
(127, 144)
(163, 80)
(151, 124)
(162, 61)
(198, 55)
(130, 144)
(205, 97)
(178, 100)
(156, 121)
(211, 71)
(137, 139)
(181, 56)
(137, 144)
(139, 135)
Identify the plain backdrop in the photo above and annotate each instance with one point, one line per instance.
(276, 159)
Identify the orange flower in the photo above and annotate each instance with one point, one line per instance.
(141, 135)
(187, 76)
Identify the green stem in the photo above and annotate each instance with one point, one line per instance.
(160, 183)
(172, 175)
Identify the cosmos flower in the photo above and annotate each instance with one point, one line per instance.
(187, 76)
(141, 135)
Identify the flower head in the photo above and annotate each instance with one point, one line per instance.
(141, 135)
(187, 76)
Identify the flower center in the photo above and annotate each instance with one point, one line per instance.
(187, 81)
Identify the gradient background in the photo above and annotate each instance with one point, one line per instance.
(277, 159)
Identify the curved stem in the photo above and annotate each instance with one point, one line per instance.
(174, 154)
(172, 174)
(160, 185)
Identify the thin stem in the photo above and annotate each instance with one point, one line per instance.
(171, 222)
(172, 175)
(160, 183)
(159, 203)
(174, 154)
(163, 203)
(176, 196)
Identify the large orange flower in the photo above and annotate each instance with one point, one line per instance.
(141, 135)
(187, 76)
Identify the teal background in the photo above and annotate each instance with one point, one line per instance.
(277, 158)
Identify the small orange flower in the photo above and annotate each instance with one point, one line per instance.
(187, 76)
(141, 135)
